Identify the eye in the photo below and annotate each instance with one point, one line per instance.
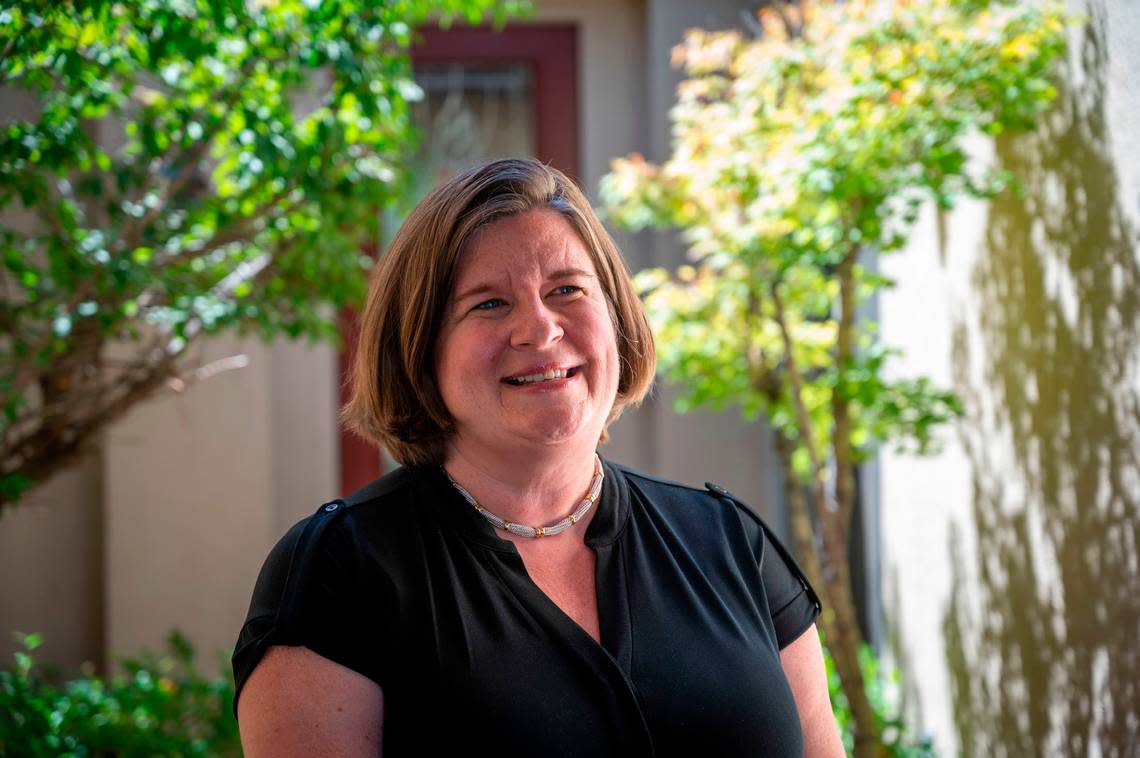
(566, 289)
(488, 305)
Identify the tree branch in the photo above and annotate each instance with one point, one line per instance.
(188, 162)
(47, 448)
(803, 423)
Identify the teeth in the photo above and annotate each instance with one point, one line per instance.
(531, 378)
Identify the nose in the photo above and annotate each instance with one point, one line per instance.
(533, 325)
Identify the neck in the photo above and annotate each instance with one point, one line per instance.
(533, 490)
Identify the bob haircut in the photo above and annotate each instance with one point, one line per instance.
(395, 401)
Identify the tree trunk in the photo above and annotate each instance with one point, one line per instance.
(838, 621)
(843, 640)
(840, 627)
(61, 436)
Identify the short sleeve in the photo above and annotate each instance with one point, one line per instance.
(307, 595)
(792, 602)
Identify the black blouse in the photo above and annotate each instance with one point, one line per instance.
(405, 583)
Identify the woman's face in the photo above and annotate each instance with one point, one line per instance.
(527, 354)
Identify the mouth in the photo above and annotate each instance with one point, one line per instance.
(540, 376)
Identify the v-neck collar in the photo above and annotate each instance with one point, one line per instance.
(605, 528)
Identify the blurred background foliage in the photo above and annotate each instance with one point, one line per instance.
(158, 706)
(190, 167)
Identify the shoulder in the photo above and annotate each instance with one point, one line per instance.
(325, 540)
(308, 590)
(664, 491)
(382, 500)
(711, 508)
(714, 522)
(650, 483)
(390, 488)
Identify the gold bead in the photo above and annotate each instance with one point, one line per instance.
(573, 518)
(540, 531)
(507, 525)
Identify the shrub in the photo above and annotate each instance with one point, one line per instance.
(157, 706)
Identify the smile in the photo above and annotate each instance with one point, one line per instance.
(542, 376)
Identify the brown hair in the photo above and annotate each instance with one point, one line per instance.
(395, 401)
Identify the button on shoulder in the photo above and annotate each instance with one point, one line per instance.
(716, 489)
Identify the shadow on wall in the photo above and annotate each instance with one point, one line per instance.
(1042, 647)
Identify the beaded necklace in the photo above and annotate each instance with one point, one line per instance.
(523, 530)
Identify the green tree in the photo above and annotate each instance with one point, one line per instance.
(796, 157)
(188, 166)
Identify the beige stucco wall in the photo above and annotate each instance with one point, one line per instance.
(200, 483)
(1046, 620)
(51, 555)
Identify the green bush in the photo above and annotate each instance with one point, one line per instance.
(158, 706)
(896, 739)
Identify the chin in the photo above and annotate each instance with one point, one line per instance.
(554, 429)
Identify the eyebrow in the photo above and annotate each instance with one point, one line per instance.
(562, 273)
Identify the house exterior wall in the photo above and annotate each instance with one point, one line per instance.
(51, 554)
(1010, 572)
(195, 480)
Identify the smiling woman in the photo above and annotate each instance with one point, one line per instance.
(508, 582)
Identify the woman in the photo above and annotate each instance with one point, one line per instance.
(506, 588)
